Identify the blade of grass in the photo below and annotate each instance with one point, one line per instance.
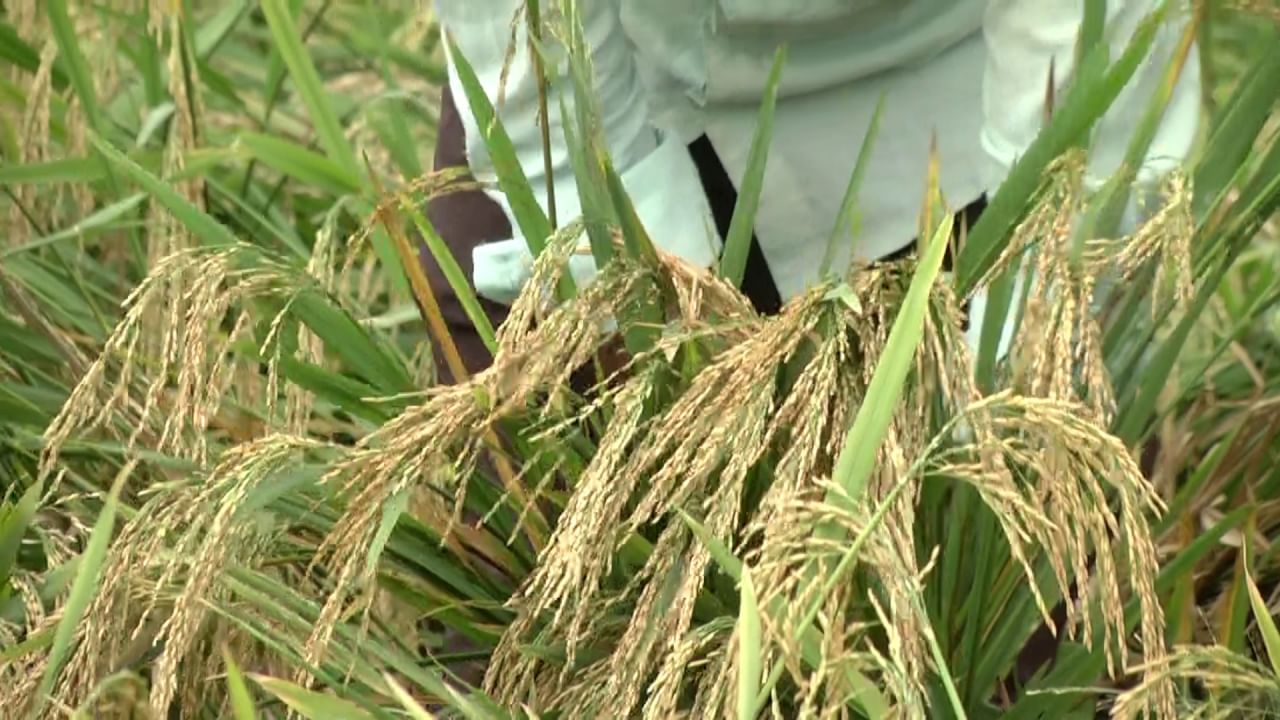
(35, 642)
(14, 522)
(866, 694)
(858, 454)
(1232, 139)
(733, 259)
(73, 60)
(512, 180)
(391, 512)
(454, 275)
(533, 15)
(200, 224)
(750, 650)
(296, 161)
(845, 217)
(15, 51)
(77, 66)
(1266, 624)
(1107, 210)
(242, 707)
(288, 42)
(411, 706)
(103, 219)
(422, 293)
(329, 133)
(584, 141)
(310, 704)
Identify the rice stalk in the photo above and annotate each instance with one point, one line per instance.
(34, 146)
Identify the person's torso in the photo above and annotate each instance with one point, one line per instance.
(829, 42)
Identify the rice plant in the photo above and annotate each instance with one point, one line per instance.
(232, 488)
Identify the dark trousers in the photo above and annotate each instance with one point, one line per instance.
(470, 218)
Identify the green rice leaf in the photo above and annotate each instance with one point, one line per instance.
(204, 227)
(635, 237)
(60, 170)
(865, 694)
(845, 225)
(307, 167)
(100, 220)
(288, 42)
(1233, 137)
(15, 51)
(1107, 209)
(1266, 624)
(858, 455)
(242, 707)
(1094, 88)
(583, 139)
(391, 512)
(35, 642)
(1092, 27)
(83, 590)
(411, 706)
(343, 336)
(456, 278)
(723, 556)
(733, 259)
(750, 650)
(75, 63)
(512, 180)
(14, 521)
(310, 704)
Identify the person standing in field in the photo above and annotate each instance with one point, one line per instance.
(679, 84)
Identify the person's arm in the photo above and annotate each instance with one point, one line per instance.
(1024, 39)
(656, 170)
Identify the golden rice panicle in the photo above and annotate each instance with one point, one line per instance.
(539, 349)
(160, 579)
(213, 542)
(794, 555)
(1164, 238)
(171, 398)
(695, 453)
(1234, 686)
(594, 510)
(697, 647)
(20, 675)
(1098, 503)
(444, 432)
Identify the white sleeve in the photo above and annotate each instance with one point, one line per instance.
(656, 169)
(1024, 36)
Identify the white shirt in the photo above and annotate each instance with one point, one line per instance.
(971, 72)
